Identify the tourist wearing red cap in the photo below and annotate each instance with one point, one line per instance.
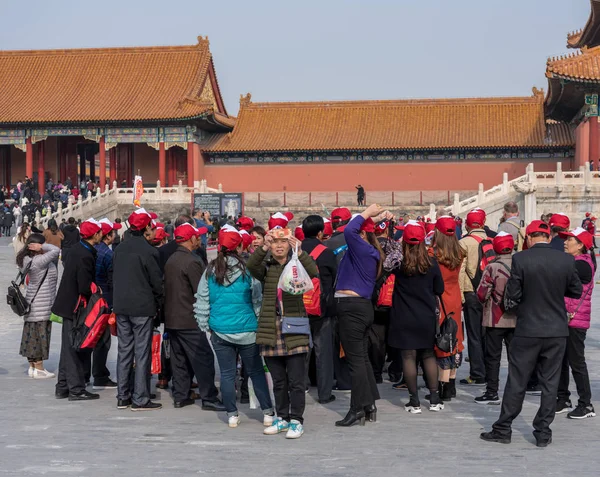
(591, 228)
(357, 274)
(499, 324)
(78, 275)
(470, 275)
(190, 350)
(511, 224)
(540, 279)
(580, 245)
(245, 223)
(449, 255)
(228, 302)
(37, 260)
(202, 219)
(559, 223)
(322, 326)
(413, 317)
(95, 364)
(327, 229)
(137, 292)
(340, 217)
(285, 354)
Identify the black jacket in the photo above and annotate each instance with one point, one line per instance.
(540, 279)
(337, 244)
(137, 279)
(183, 272)
(78, 275)
(558, 243)
(327, 273)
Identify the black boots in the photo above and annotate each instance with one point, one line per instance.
(452, 384)
(352, 418)
(371, 413)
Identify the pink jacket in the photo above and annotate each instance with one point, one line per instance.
(584, 313)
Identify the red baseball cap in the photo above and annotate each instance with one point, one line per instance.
(340, 214)
(414, 232)
(328, 230)
(429, 226)
(229, 238)
(245, 223)
(299, 233)
(446, 225)
(381, 227)
(279, 220)
(502, 241)
(537, 226)
(186, 231)
(139, 219)
(368, 225)
(580, 234)
(159, 235)
(247, 239)
(560, 220)
(89, 228)
(476, 217)
(108, 226)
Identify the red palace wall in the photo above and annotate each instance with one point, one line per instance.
(438, 176)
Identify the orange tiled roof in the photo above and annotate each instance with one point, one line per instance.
(389, 125)
(105, 84)
(589, 35)
(573, 38)
(581, 66)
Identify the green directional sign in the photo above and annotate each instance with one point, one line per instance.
(591, 99)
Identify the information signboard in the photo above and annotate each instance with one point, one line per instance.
(225, 204)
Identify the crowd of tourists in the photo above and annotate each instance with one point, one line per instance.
(389, 294)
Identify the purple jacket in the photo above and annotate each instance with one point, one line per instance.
(583, 315)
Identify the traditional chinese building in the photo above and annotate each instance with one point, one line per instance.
(573, 88)
(433, 144)
(108, 113)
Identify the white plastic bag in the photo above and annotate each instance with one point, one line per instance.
(294, 279)
(254, 404)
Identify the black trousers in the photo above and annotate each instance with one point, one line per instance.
(340, 365)
(71, 366)
(165, 360)
(289, 379)
(575, 359)
(322, 335)
(494, 338)
(377, 348)
(190, 350)
(524, 355)
(473, 310)
(95, 363)
(355, 316)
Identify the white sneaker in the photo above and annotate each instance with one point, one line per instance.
(30, 372)
(42, 374)
(234, 421)
(279, 425)
(268, 420)
(295, 430)
(413, 409)
(436, 407)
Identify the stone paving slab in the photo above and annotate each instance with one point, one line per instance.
(40, 435)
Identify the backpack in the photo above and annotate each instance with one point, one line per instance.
(91, 319)
(486, 255)
(313, 299)
(520, 236)
(14, 296)
(445, 333)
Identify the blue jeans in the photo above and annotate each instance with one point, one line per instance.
(227, 357)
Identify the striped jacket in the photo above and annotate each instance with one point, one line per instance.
(491, 293)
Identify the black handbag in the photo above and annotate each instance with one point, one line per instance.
(14, 297)
(445, 334)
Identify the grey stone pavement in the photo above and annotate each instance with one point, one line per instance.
(40, 435)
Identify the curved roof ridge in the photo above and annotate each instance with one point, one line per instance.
(100, 51)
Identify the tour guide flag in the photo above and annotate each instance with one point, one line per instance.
(138, 190)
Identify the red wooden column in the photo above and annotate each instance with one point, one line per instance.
(594, 142)
(162, 164)
(102, 164)
(41, 167)
(28, 158)
(171, 167)
(190, 164)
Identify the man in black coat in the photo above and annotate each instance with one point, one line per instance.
(540, 279)
(322, 327)
(78, 275)
(71, 234)
(190, 350)
(137, 293)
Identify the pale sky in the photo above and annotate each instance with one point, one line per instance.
(324, 50)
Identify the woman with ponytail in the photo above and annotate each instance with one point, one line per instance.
(579, 243)
(228, 303)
